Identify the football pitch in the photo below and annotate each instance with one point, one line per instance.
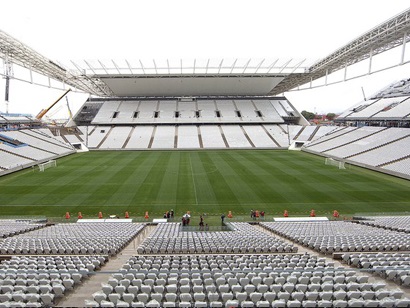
(211, 182)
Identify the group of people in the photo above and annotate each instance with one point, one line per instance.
(186, 219)
(257, 214)
(169, 214)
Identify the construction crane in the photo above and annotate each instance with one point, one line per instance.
(70, 114)
(8, 73)
(44, 111)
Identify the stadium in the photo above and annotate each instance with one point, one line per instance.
(200, 184)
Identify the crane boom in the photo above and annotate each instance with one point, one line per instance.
(44, 111)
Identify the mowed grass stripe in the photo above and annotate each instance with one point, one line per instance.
(220, 190)
(185, 184)
(167, 191)
(147, 189)
(205, 185)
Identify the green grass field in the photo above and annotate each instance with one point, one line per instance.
(212, 182)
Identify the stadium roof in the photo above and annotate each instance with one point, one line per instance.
(190, 77)
(223, 77)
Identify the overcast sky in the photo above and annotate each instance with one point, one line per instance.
(154, 29)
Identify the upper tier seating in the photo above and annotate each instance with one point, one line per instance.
(194, 111)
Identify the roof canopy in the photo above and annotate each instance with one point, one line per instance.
(190, 77)
(189, 85)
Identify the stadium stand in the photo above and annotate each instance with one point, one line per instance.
(164, 137)
(305, 132)
(116, 137)
(41, 141)
(401, 166)
(258, 136)
(106, 112)
(235, 137)
(86, 130)
(206, 110)
(97, 136)
(388, 107)
(11, 161)
(267, 110)
(188, 137)
(195, 136)
(343, 139)
(126, 112)
(395, 110)
(196, 111)
(72, 139)
(370, 142)
(399, 88)
(278, 133)
(140, 137)
(381, 148)
(385, 154)
(211, 137)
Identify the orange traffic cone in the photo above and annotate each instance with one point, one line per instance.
(230, 214)
(312, 213)
(67, 215)
(80, 216)
(127, 215)
(335, 214)
(146, 215)
(285, 213)
(100, 215)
